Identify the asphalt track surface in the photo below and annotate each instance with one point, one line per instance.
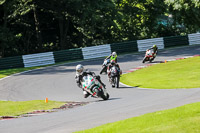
(57, 83)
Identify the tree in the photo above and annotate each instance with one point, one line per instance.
(32, 26)
(139, 18)
(186, 13)
(7, 38)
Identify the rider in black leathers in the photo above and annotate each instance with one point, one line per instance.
(80, 73)
(112, 63)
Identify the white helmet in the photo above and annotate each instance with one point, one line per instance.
(79, 68)
(114, 54)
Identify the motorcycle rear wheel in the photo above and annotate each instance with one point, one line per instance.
(117, 81)
(113, 82)
(152, 59)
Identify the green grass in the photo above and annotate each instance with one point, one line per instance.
(15, 108)
(184, 119)
(7, 72)
(183, 73)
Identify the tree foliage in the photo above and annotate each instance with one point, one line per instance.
(33, 26)
(185, 12)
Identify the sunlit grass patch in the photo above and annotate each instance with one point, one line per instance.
(183, 73)
(15, 108)
(7, 72)
(184, 119)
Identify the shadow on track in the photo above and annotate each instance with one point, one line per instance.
(108, 99)
(126, 87)
(156, 62)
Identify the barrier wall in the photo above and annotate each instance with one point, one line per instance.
(175, 41)
(11, 62)
(38, 59)
(67, 55)
(97, 51)
(143, 45)
(194, 39)
(124, 47)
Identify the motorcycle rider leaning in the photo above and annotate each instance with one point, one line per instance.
(112, 56)
(112, 63)
(155, 50)
(80, 73)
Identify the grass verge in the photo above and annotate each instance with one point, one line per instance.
(184, 119)
(16, 108)
(7, 72)
(183, 73)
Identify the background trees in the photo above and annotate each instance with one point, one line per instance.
(186, 13)
(33, 26)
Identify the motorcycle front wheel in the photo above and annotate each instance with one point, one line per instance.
(143, 61)
(103, 69)
(101, 94)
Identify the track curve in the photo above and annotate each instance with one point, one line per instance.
(57, 83)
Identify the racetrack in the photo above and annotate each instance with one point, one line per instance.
(57, 83)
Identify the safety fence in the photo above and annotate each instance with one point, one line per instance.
(124, 47)
(194, 39)
(11, 62)
(96, 51)
(38, 59)
(67, 55)
(143, 45)
(175, 41)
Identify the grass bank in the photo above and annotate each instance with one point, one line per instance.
(7, 72)
(184, 119)
(16, 108)
(183, 73)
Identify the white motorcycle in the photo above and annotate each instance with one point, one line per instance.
(94, 88)
(104, 66)
(149, 56)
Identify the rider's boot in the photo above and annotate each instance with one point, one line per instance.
(113, 85)
(104, 86)
(98, 78)
(86, 94)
